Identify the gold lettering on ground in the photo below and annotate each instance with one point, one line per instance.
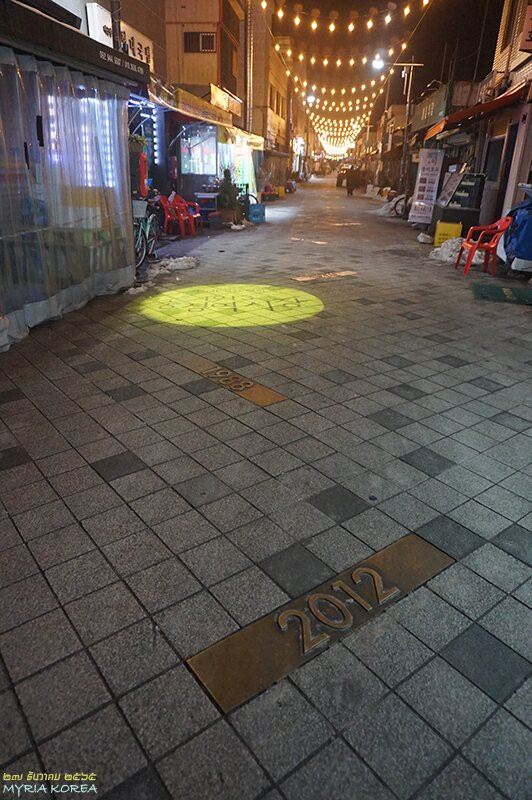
(324, 275)
(244, 387)
(248, 661)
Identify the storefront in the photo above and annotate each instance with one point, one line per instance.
(65, 219)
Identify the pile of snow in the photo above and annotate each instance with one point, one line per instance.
(173, 264)
(448, 252)
(424, 238)
(140, 289)
(385, 211)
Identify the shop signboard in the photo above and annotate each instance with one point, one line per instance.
(430, 110)
(228, 102)
(526, 38)
(134, 43)
(427, 181)
(192, 106)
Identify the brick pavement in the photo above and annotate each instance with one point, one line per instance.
(147, 513)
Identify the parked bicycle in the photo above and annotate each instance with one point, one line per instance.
(146, 230)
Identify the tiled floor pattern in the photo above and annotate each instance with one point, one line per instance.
(146, 513)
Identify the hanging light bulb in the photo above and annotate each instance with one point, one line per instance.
(280, 13)
(351, 27)
(388, 18)
(406, 11)
(390, 51)
(301, 56)
(364, 60)
(426, 2)
(289, 53)
(313, 60)
(297, 20)
(314, 24)
(338, 62)
(325, 62)
(351, 62)
(277, 46)
(264, 4)
(403, 46)
(369, 24)
(332, 27)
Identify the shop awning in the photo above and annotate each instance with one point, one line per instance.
(236, 135)
(191, 106)
(478, 111)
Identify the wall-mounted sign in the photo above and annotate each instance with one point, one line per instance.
(526, 38)
(134, 43)
(193, 106)
(222, 99)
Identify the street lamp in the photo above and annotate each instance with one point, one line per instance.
(377, 62)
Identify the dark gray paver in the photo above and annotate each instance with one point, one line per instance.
(296, 569)
(487, 662)
(461, 778)
(450, 536)
(517, 541)
(338, 503)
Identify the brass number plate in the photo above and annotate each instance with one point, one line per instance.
(250, 660)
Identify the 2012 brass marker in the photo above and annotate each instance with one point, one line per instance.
(243, 664)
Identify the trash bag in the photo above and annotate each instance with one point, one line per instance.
(518, 237)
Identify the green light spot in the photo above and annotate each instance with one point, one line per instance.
(233, 305)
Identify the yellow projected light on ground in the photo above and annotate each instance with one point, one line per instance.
(233, 305)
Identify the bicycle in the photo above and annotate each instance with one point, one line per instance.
(146, 231)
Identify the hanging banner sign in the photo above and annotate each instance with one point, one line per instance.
(134, 43)
(427, 181)
(526, 39)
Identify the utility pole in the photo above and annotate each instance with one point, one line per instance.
(249, 66)
(408, 74)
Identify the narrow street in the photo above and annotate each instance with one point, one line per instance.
(179, 464)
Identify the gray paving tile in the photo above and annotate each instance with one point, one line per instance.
(34, 495)
(185, 531)
(429, 618)
(321, 678)
(408, 510)
(390, 418)
(233, 593)
(437, 495)
(37, 644)
(465, 590)
(260, 539)
(511, 621)
(133, 655)
(14, 739)
(92, 501)
(512, 421)
(13, 457)
(520, 703)
(144, 785)
(487, 662)
(135, 552)
(81, 575)
(427, 461)
(195, 623)
(450, 537)
(163, 584)
(52, 699)
(398, 746)
(504, 502)
(205, 488)
(231, 512)
(24, 601)
(447, 700)
(465, 481)
(502, 751)
(280, 747)
(167, 710)
(338, 503)
(213, 764)
(336, 773)
(159, 506)
(215, 560)
(118, 465)
(388, 649)
(460, 778)
(43, 519)
(8, 534)
(479, 519)
(338, 548)
(16, 563)
(112, 524)
(375, 528)
(103, 612)
(270, 495)
(296, 570)
(179, 469)
(516, 541)
(62, 545)
(498, 567)
(102, 740)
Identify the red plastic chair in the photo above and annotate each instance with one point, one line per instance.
(193, 211)
(175, 216)
(487, 241)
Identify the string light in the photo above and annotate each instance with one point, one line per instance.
(297, 20)
(369, 24)
(264, 4)
(406, 11)
(314, 24)
(351, 27)
(332, 27)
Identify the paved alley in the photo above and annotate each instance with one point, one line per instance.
(179, 464)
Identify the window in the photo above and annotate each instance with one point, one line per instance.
(196, 42)
(493, 158)
(198, 150)
(272, 98)
(230, 20)
(509, 23)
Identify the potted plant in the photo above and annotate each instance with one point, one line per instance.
(228, 205)
(137, 143)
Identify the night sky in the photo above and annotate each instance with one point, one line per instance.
(455, 22)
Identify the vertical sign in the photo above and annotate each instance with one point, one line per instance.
(526, 39)
(427, 181)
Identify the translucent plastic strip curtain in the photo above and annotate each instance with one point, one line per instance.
(65, 214)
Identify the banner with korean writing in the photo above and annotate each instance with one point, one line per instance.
(427, 181)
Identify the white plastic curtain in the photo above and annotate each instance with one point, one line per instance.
(65, 206)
